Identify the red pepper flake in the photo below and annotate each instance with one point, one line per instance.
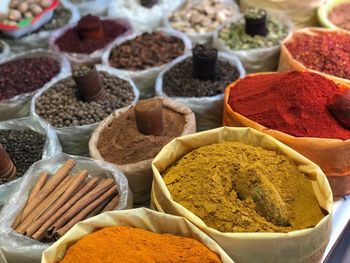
(325, 52)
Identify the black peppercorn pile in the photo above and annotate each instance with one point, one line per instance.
(178, 81)
(146, 51)
(62, 106)
(25, 147)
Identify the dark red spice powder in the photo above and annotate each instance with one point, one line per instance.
(26, 75)
(325, 52)
(72, 42)
(294, 103)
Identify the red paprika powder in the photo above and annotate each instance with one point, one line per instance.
(75, 41)
(294, 103)
(325, 52)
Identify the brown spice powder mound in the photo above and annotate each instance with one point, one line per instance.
(122, 143)
(234, 187)
(127, 244)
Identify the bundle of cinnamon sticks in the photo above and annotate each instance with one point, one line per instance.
(56, 203)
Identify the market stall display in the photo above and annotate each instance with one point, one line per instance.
(325, 51)
(75, 103)
(52, 183)
(199, 19)
(143, 55)
(131, 137)
(85, 41)
(303, 120)
(21, 76)
(197, 81)
(228, 166)
(254, 38)
(334, 14)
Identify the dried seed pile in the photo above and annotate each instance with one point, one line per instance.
(178, 81)
(25, 147)
(146, 51)
(62, 106)
(61, 17)
(26, 75)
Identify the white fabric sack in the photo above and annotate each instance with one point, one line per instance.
(139, 218)
(19, 248)
(302, 13)
(257, 59)
(208, 110)
(306, 245)
(80, 58)
(75, 139)
(5, 52)
(19, 105)
(94, 7)
(145, 79)
(41, 39)
(201, 38)
(52, 146)
(142, 18)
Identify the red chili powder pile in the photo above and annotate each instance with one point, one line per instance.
(71, 41)
(325, 52)
(294, 103)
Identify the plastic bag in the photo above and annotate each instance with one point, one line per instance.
(139, 174)
(139, 218)
(94, 57)
(142, 18)
(208, 110)
(5, 51)
(19, 248)
(75, 139)
(256, 59)
(323, 11)
(201, 38)
(332, 155)
(94, 7)
(19, 106)
(288, 63)
(302, 13)
(51, 147)
(145, 79)
(40, 40)
(305, 245)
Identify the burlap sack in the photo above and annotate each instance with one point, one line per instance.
(332, 155)
(323, 11)
(139, 218)
(302, 13)
(288, 63)
(139, 174)
(305, 245)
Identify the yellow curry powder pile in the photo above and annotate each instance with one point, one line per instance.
(235, 187)
(127, 244)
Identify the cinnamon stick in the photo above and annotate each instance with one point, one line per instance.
(95, 193)
(38, 185)
(50, 186)
(83, 213)
(74, 185)
(44, 205)
(112, 204)
(48, 224)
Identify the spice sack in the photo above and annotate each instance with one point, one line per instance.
(138, 218)
(242, 246)
(20, 248)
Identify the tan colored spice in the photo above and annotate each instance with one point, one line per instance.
(235, 187)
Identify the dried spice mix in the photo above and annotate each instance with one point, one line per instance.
(327, 52)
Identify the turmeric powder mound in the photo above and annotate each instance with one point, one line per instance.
(235, 187)
(134, 245)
